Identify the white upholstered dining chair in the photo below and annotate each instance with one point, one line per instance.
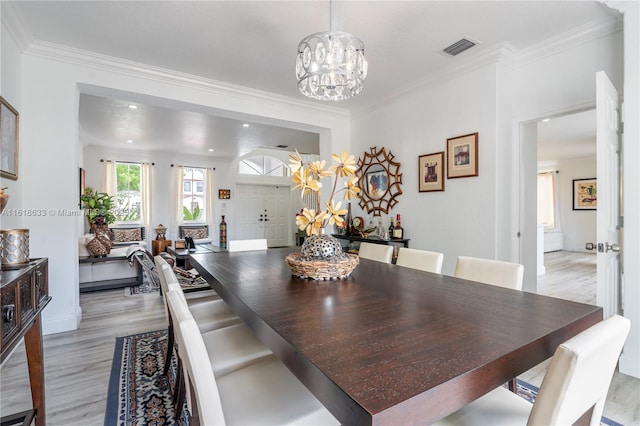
(247, 245)
(495, 272)
(262, 393)
(576, 383)
(209, 315)
(377, 252)
(424, 260)
(230, 348)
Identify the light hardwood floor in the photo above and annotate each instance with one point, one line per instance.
(78, 363)
(572, 276)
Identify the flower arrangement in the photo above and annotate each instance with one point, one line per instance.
(307, 175)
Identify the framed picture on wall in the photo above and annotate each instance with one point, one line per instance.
(462, 156)
(585, 194)
(8, 140)
(431, 172)
(224, 194)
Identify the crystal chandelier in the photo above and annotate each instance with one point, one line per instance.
(330, 66)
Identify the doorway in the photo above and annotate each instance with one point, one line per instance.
(566, 154)
(264, 211)
(566, 145)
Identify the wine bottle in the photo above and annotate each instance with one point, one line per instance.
(398, 232)
(223, 233)
(349, 220)
(391, 228)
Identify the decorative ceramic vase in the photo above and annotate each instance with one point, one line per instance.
(321, 258)
(101, 244)
(320, 247)
(161, 232)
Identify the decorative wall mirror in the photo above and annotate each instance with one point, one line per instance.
(379, 179)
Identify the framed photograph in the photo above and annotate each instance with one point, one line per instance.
(8, 140)
(377, 183)
(431, 172)
(585, 194)
(462, 156)
(224, 194)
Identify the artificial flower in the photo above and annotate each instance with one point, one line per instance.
(305, 182)
(310, 221)
(351, 188)
(335, 212)
(346, 164)
(296, 162)
(317, 169)
(306, 177)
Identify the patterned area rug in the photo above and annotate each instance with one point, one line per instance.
(139, 394)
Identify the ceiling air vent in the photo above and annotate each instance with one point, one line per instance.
(459, 47)
(282, 146)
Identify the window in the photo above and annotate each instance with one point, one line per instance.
(128, 192)
(194, 188)
(547, 199)
(262, 165)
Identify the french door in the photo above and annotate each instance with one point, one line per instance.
(264, 212)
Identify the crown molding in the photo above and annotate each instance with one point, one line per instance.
(570, 39)
(501, 52)
(621, 6)
(15, 26)
(69, 55)
(508, 55)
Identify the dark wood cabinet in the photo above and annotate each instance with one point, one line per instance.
(24, 294)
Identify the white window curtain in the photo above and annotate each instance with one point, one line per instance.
(145, 187)
(176, 193)
(210, 199)
(109, 183)
(548, 200)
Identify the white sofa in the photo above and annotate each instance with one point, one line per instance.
(97, 273)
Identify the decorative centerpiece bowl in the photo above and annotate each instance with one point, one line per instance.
(321, 256)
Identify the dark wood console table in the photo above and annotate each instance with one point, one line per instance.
(352, 238)
(24, 294)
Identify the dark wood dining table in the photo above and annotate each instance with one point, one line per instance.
(392, 345)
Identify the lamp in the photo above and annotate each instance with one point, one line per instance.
(331, 66)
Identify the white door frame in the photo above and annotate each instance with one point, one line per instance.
(525, 156)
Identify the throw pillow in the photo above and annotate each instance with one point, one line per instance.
(196, 233)
(126, 234)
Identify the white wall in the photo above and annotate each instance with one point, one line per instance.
(50, 84)
(578, 226)
(631, 174)
(11, 91)
(460, 220)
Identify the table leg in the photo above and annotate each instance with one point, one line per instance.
(33, 346)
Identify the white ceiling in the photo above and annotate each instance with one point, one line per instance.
(253, 44)
(567, 137)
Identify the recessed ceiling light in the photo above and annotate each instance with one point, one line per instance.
(546, 120)
(245, 125)
(133, 106)
(210, 149)
(129, 141)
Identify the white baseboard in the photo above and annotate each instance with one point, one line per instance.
(62, 324)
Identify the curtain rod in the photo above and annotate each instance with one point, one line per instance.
(102, 160)
(195, 167)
